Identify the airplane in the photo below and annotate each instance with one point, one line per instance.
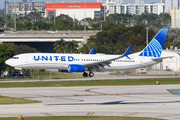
(93, 62)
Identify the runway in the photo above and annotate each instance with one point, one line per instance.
(133, 101)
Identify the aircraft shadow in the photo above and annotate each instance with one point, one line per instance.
(116, 103)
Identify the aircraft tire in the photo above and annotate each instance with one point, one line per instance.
(85, 74)
(91, 74)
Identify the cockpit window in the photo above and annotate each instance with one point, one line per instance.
(15, 57)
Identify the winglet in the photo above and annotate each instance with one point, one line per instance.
(92, 50)
(127, 52)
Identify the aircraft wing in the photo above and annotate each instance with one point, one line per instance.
(101, 64)
(161, 58)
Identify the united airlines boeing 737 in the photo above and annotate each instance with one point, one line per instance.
(91, 62)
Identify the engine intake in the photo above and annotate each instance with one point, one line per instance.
(75, 68)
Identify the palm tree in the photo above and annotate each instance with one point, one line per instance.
(60, 46)
(72, 46)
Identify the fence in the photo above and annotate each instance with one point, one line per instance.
(42, 77)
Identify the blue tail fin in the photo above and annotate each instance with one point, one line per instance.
(92, 50)
(127, 52)
(154, 48)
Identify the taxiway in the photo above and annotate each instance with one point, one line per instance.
(138, 101)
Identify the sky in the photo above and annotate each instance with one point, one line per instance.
(125, 1)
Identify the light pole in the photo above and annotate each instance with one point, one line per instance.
(122, 19)
(74, 22)
(69, 35)
(101, 25)
(104, 13)
(54, 13)
(128, 20)
(15, 18)
(147, 35)
(85, 15)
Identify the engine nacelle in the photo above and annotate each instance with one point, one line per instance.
(75, 68)
(63, 71)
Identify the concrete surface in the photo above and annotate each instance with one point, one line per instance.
(60, 32)
(43, 36)
(134, 101)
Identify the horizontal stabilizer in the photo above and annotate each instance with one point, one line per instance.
(161, 58)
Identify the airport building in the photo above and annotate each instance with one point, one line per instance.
(22, 7)
(172, 63)
(109, 1)
(170, 4)
(175, 21)
(136, 9)
(139, 7)
(74, 10)
(173, 8)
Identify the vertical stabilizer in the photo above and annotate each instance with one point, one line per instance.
(154, 48)
(92, 50)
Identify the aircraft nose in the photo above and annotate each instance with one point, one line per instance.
(8, 62)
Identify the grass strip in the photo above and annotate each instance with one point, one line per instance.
(11, 100)
(42, 76)
(92, 83)
(82, 118)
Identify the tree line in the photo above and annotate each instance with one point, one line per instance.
(148, 19)
(115, 39)
(34, 21)
(62, 46)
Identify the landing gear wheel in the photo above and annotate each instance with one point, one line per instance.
(85, 74)
(91, 74)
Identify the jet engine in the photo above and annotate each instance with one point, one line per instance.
(76, 68)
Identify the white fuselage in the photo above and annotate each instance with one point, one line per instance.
(62, 61)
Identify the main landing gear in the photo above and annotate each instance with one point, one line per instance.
(85, 74)
(91, 74)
